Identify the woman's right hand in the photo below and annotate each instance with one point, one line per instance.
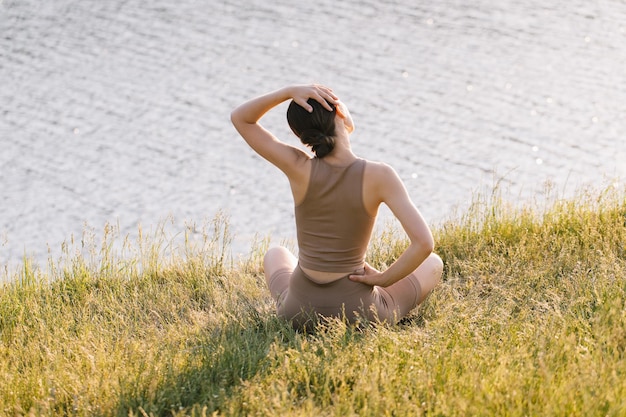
(320, 93)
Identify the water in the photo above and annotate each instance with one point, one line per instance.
(118, 111)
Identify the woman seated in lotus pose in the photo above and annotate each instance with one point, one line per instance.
(336, 196)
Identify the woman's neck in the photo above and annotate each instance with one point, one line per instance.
(342, 154)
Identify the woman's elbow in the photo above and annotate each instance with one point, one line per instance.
(429, 245)
(234, 117)
(425, 244)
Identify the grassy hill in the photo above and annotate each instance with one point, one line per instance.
(530, 320)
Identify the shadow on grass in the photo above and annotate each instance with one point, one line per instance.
(220, 361)
(217, 362)
(206, 376)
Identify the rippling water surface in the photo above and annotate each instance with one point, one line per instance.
(117, 111)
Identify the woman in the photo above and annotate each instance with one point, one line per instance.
(336, 197)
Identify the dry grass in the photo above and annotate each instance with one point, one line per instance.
(530, 320)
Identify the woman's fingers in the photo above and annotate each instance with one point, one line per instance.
(302, 102)
(324, 102)
(328, 96)
(370, 276)
(319, 93)
(357, 278)
(364, 279)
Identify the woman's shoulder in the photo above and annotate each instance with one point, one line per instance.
(379, 176)
(378, 168)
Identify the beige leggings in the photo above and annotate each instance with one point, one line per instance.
(300, 299)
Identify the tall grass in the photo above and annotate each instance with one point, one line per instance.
(530, 320)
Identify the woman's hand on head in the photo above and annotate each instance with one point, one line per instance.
(370, 276)
(320, 93)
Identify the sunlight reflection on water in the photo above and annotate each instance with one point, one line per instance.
(118, 111)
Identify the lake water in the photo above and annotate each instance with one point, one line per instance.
(117, 111)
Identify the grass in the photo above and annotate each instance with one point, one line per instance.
(530, 320)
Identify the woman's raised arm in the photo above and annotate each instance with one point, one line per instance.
(246, 118)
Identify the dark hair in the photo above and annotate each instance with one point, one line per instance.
(316, 129)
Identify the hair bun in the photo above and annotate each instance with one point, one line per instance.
(319, 142)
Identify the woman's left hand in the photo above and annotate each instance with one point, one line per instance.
(371, 276)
